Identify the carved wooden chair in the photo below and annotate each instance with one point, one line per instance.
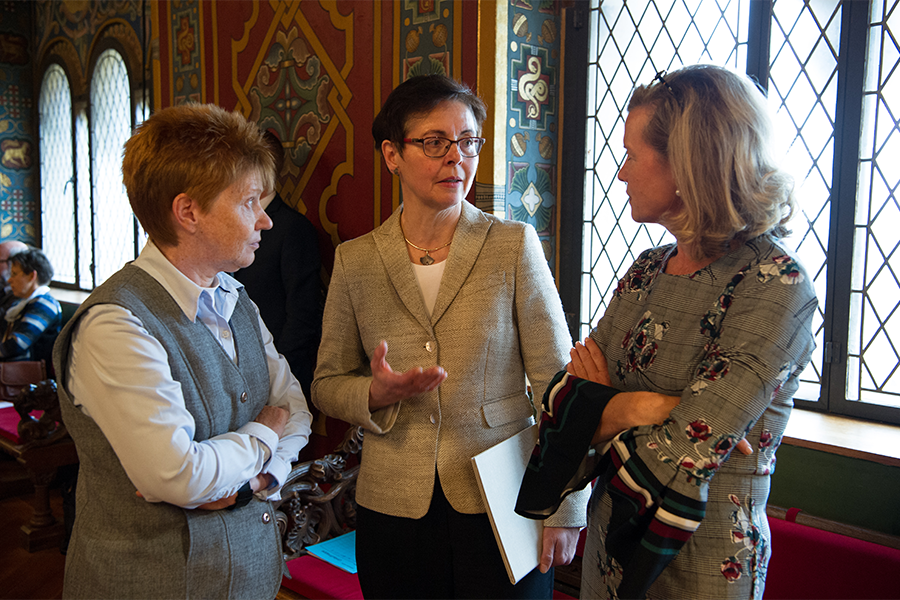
(319, 502)
(42, 445)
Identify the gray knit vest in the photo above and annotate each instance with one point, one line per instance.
(125, 547)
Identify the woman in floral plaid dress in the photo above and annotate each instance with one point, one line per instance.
(719, 321)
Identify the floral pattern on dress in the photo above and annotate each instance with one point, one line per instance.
(711, 323)
(641, 273)
(784, 268)
(700, 466)
(752, 545)
(640, 345)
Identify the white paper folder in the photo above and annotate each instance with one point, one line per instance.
(499, 472)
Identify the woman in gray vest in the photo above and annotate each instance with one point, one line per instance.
(185, 417)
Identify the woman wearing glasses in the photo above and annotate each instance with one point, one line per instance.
(432, 322)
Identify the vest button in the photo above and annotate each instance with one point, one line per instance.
(429, 346)
(266, 518)
(244, 397)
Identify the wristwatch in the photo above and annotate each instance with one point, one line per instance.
(244, 495)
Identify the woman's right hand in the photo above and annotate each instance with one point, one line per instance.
(388, 387)
(588, 362)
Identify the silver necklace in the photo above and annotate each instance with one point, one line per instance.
(426, 260)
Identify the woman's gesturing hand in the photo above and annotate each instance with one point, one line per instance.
(389, 387)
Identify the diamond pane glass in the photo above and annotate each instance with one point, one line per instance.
(874, 319)
(57, 177)
(113, 222)
(630, 42)
(84, 210)
(802, 93)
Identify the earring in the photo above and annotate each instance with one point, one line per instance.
(678, 193)
(396, 171)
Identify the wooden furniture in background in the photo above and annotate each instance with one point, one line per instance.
(319, 502)
(41, 444)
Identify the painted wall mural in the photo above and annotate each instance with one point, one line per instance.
(315, 74)
(17, 131)
(533, 55)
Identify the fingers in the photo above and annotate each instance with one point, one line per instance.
(558, 546)
(389, 387)
(548, 550)
(588, 362)
(378, 362)
(744, 447)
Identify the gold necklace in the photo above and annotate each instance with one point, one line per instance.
(426, 260)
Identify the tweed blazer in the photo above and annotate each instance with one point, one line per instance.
(497, 317)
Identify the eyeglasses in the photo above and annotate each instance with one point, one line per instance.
(437, 147)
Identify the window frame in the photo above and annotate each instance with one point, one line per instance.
(845, 177)
(80, 90)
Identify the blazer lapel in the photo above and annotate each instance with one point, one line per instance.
(392, 249)
(471, 233)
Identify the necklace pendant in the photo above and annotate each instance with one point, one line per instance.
(426, 260)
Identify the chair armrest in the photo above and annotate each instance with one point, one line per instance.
(319, 498)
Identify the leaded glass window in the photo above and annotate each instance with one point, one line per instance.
(57, 176)
(114, 224)
(840, 140)
(88, 228)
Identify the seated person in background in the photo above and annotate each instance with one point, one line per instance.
(7, 249)
(170, 385)
(33, 320)
(284, 279)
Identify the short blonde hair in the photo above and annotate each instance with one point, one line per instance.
(714, 129)
(195, 149)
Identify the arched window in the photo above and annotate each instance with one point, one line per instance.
(114, 224)
(88, 229)
(57, 176)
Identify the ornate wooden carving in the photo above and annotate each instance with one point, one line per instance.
(319, 498)
(48, 428)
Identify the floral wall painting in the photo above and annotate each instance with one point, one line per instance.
(290, 97)
(17, 141)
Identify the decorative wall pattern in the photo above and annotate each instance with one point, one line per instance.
(426, 32)
(184, 22)
(80, 22)
(315, 73)
(533, 58)
(17, 131)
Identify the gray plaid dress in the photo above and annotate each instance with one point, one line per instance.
(731, 340)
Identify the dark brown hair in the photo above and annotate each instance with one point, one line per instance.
(418, 96)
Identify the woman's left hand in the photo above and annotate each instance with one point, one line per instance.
(558, 546)
(588, 362)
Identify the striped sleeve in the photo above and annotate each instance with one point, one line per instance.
(24, 331)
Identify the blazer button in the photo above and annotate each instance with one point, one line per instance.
(433, 420)
(266, 518)
(244, 397)
(429, 346)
